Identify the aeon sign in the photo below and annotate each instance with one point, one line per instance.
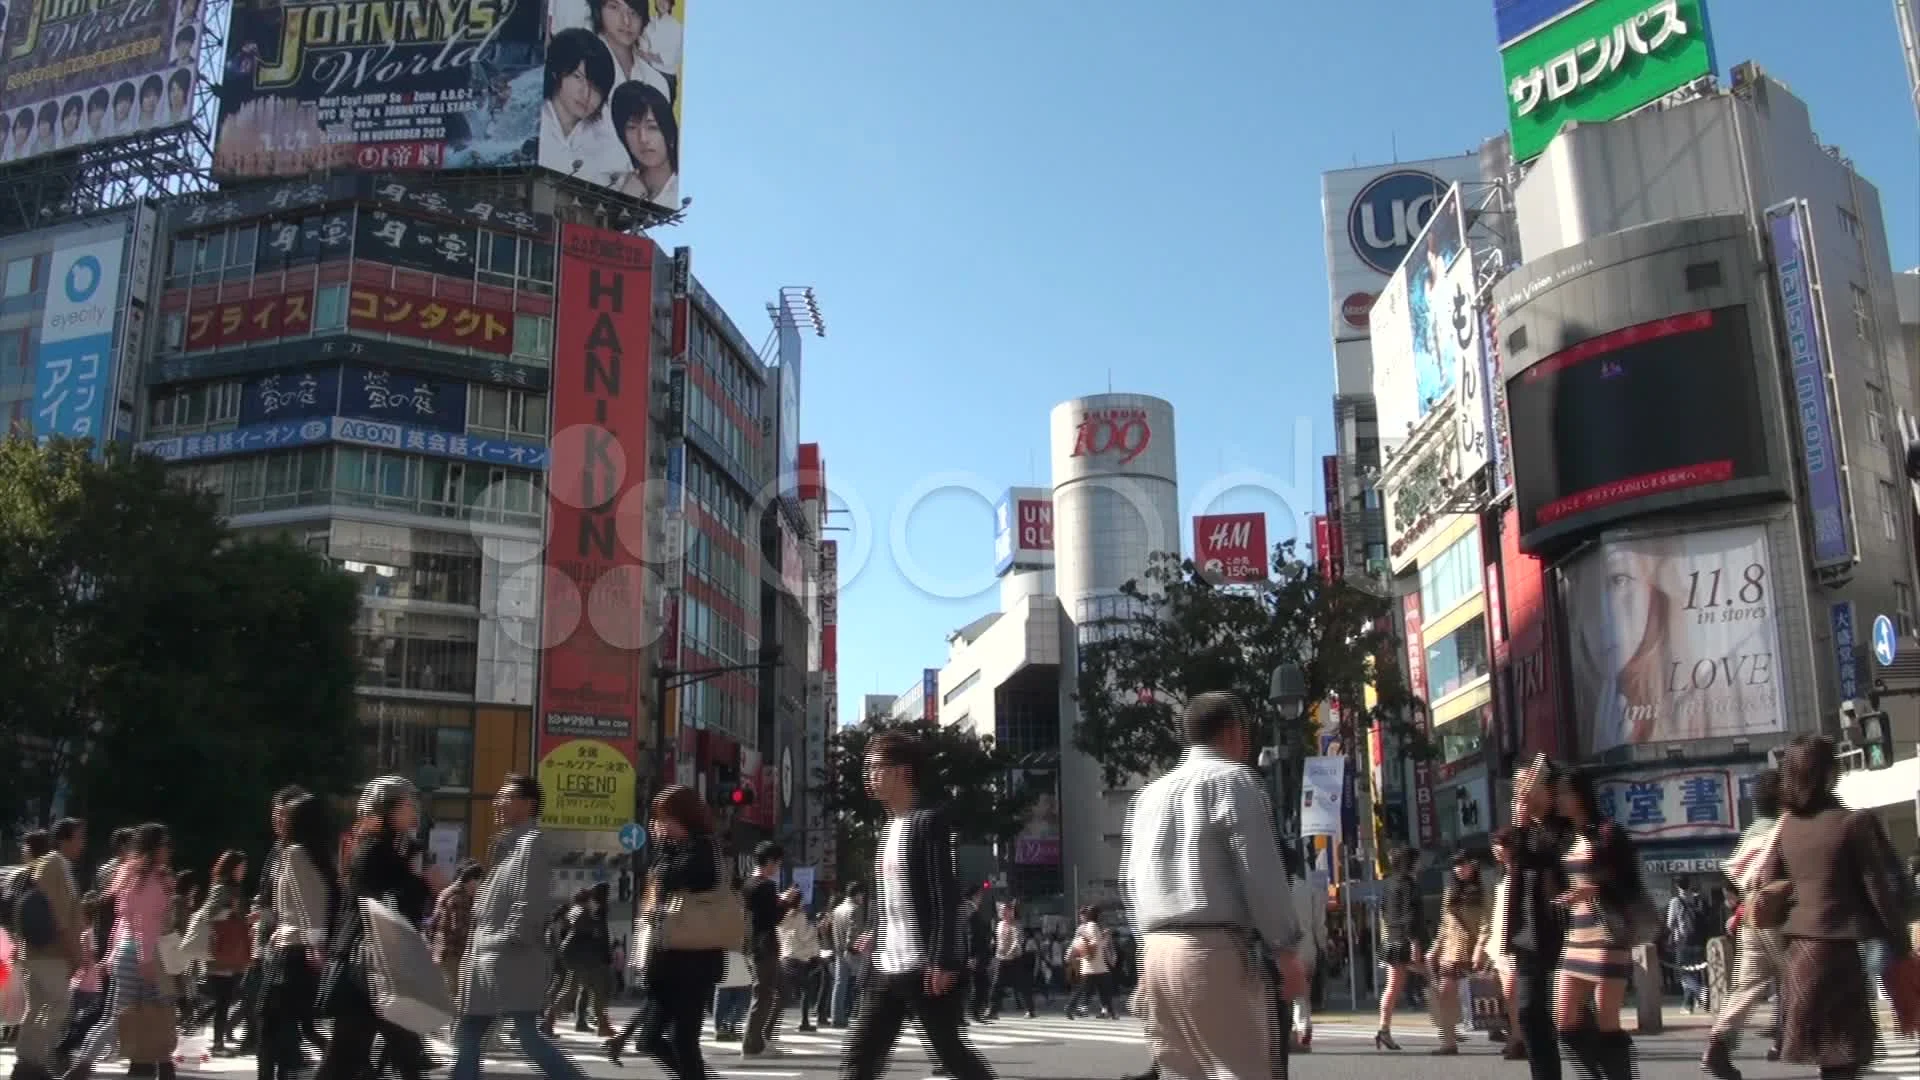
(1124, 433)
(1388, 215)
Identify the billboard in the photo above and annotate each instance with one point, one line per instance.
(454, 323)
(930, 695)
(1023, 530)
(592, 616)
(1526, 661)
(1038, 841)
(1610, 421)
(312, 86)
(1600, 63)
(1676, 804)
(243, 322)
(1822, 451)
(74, 75)
(1418, 324)
(1371, 216)
(1336, 526)
(73, 372)
(608, 99)
(1230, 549)
(1675, 638)
(1515, 19)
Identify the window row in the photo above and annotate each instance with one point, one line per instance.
(1463, 736)
(715, 635)
(710, 705)
(1457, 659)
(390, 661)
(462, 253)
(737, 378)
(430, 576)
(721, 570)
(712, 421)
(215, 406)
(1450, 577)
(720, 497)
(380, 479)
(401, 747)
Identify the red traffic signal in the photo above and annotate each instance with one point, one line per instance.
(741, 795)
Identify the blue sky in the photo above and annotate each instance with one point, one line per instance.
(1004, 206)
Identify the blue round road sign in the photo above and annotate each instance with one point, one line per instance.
(632, 837)
(1886, 644)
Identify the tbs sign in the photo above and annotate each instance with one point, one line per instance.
(1388, 215)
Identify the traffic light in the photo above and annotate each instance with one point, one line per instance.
(1876, 735)
(738, 796)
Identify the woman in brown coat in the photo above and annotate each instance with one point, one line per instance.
(1835, 861)
(1463, 919)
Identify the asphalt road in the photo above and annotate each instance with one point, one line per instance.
(1054, 1048)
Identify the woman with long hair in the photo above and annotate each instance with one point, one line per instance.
(141, 1008)
(230, 946)
(1603, 877)
(1093, 947)
(1623, 657)
(1405, 927)
(1456, 948)
(306, 890)
(388, 817)
(676, 984)
(1834, 862)
(1496, 944)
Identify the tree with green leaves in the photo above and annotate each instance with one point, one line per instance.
(965, 771)
(1183, 635)
(156, 668)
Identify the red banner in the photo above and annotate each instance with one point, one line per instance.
(239, 322)
(1336, 530)
(1230, 549)
(449, 322)
(1428, 820)
(1529, 672)
(1322, 546)
(596, 522)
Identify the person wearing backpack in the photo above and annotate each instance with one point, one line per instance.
(1687, 934)
(45, 920)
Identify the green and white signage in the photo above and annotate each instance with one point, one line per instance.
(1599, 63)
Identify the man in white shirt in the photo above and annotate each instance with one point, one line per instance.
(919, 944)
(1209, 894)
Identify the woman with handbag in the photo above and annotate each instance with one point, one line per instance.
(379, 871)
(689, 915)
(1604, 890)
(305, 893)
(1090, 954)
(1456, 948)
(1824, 887)
(144, 1019)
(229, 946)
(1404, 922)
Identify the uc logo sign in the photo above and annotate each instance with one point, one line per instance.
(1389, 213)
(83, 279)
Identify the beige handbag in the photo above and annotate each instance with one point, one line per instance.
(713, 919)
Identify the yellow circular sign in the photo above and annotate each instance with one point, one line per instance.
(588, 784)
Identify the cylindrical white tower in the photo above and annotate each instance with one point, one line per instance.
(1115, 502)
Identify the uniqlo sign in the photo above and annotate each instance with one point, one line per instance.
(1230, 549)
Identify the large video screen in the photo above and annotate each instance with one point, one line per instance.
(1647, 410)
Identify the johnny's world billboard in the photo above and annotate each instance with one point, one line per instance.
(588, 90)
(75, 74)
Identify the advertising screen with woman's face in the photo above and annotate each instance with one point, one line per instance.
(1675, 638)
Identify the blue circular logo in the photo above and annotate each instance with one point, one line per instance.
(83, 279)
(1388, 215)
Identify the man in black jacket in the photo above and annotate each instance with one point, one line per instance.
(980, 965)
(1536, 929)
(766, 906)
(919, 944)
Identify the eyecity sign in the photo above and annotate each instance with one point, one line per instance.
(1599, 63)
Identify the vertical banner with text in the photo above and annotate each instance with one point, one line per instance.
(1427, 825)
(594, 630)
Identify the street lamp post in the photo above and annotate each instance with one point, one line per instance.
(668, 679)
(1287, 690)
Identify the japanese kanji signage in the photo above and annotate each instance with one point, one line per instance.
(73, 373)
(238, 322)
(426, 197)
(417, 244)
(437, 319)
(382, 394)
(1846, 649)
(593, 610)
(1674, 805)
(283, 356)
(341, 429)
(304, 240)
(289, 395)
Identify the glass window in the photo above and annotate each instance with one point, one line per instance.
(1457, 659)
(209, 254)
(1889, 524)
(533, 336)
(329, 307)
(180, 261)
(240, 250)
(453, 756)
(1451, 577)
(19, 277)
(487, 408)
(1463, 736)
(1862, 312)
(1903, 606)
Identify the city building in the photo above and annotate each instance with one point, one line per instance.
(1778, 510)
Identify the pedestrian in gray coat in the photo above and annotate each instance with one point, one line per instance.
(504, 974)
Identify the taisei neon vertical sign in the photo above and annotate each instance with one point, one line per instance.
(596, 525)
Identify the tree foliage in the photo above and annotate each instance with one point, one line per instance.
(155, 668)
(1185, 636)
(965, 771)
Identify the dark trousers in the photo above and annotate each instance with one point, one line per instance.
(222, 988)
(766, 996)
(1015, 976)
(1090, 986)
(276, 1040)
(804, 975)
(350, 1052)
(980, 1000)
(886, 1000)
(672, 1011)
(1533, 995)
